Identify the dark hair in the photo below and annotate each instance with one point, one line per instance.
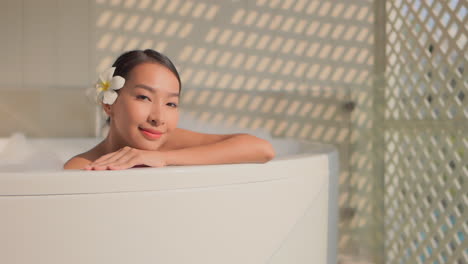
(125, 63)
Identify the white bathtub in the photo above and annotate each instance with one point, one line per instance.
(284, 211)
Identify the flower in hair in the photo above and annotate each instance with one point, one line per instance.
(107, 85)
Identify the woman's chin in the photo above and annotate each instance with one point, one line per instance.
(151, 146)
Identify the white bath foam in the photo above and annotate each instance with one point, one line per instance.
(19, 154)
(15, 149)
(49, 154)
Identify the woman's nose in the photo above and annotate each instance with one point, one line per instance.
(156, 122)
(156, 116)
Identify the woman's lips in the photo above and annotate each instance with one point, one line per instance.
(150, 133)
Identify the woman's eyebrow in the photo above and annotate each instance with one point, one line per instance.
(153, 90)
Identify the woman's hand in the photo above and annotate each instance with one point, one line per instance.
(126, 158)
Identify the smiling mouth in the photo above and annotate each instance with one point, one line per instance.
(150, 134)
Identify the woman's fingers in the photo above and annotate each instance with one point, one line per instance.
(120, 162)
(112, 155)
(118, 158)
(102, 162)
(124, 164)
(124, 159)
(106, 157)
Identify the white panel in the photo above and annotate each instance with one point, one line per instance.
(304, 243)
(40, 45)
(10, 51)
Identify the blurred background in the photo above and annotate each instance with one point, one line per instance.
(383, 81)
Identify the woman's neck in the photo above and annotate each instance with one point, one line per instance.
(111, 143)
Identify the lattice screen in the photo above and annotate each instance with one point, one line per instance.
(426, 134)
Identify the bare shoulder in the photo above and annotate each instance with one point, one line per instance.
(81, 160)
(77, 162)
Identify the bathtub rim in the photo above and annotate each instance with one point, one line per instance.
(67, 182)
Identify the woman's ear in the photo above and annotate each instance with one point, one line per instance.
(107, 109)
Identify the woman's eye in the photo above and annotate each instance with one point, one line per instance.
(172, 105)
(142, 97)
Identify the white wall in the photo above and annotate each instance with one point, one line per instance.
(46, 51)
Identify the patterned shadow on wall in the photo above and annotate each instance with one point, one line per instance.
(291, 67)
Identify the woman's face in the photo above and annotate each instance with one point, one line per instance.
(146, 110)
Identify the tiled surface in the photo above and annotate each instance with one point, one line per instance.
(48, 113)
(45, 44)
(45, 65)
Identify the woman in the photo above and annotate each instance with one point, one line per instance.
(143, 115)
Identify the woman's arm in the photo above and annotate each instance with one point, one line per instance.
(191, 148)
(219, 149)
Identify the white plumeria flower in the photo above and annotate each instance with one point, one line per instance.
(108, 84)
